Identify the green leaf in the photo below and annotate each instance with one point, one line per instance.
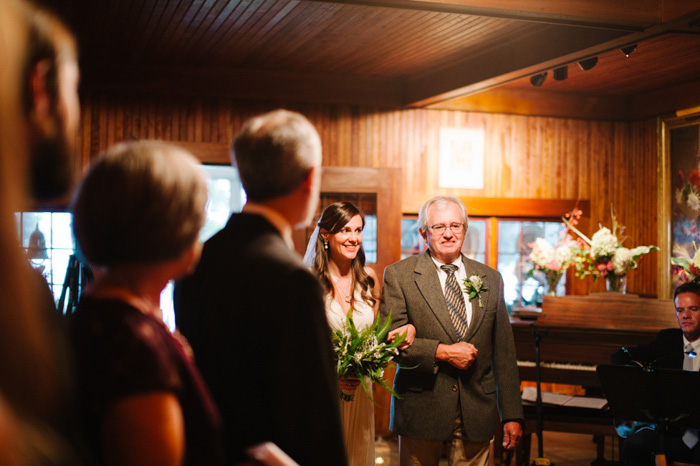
(384, 330)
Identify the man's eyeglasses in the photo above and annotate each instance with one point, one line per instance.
(439, 229)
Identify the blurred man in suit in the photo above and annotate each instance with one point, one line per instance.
(51, 104)
(673, 348)
(464, 349)
(254, 313)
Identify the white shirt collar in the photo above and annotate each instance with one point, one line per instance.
(695, 344)
(277, 220)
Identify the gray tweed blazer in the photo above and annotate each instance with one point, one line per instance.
(431, 393)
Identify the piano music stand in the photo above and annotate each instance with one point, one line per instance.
(651, 395)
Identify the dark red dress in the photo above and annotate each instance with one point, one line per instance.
(122, 352)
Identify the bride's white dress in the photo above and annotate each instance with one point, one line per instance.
(358, 414)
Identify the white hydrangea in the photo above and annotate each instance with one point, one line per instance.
(603, 243)
(622, 261)
(542, 253)
(564, 255)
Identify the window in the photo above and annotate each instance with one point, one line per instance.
(512, 251)
(513, 261)
(47, 237)
(226, 196)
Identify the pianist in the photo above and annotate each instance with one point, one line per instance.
(672, 349)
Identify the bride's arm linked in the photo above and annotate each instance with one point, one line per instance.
(408, 329)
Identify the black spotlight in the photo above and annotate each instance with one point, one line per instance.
(628, 50)
(561, 74)
(538, 79)
(588, 63)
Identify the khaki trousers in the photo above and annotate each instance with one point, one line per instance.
(460, 451)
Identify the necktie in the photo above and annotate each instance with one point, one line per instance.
(455, 301)
(690, 436)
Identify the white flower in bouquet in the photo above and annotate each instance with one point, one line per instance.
(542, 254)
(564, 255)
(364, 353)
(603, 243)
(622, 261)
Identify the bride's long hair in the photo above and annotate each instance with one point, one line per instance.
(333, 218)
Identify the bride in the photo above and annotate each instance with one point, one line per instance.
(335, 252)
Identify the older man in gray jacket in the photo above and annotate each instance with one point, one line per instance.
(464, 349)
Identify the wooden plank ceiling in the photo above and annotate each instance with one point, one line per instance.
(473, 55)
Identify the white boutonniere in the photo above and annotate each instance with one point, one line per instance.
(474, 285)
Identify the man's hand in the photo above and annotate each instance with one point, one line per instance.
(512, 432)
(461, 355)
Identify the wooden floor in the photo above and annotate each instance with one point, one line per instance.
(562, 449)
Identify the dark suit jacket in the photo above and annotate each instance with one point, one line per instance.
(254, 316)
(430, 393)
(665, 351)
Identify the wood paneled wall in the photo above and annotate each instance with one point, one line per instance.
(526, 157)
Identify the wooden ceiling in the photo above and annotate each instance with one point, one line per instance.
(475, 55)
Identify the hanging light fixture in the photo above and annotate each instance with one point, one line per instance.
(538, 79)
(561, 73)
(37, 245)
(588, 63)
(628, 50)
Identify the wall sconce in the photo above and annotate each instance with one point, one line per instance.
(628, 50)
(538, 79)
(588, 63)
(561, 73)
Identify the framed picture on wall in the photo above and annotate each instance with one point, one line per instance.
(679, 206)
(461, 158)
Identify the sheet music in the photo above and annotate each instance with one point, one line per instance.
(530, 394)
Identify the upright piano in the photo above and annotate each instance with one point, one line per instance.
(582, 332)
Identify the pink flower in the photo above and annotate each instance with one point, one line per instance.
(604, 267)
(553, 266)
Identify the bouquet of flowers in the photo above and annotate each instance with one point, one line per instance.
(364, 353)
(687, 267)
(552, 261)
(604, 255)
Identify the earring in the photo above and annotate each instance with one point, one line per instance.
(325, 245)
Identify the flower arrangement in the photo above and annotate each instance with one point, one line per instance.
(604, 255)
(552, 261)
(364, 353)
(687, 267)
(474, 285)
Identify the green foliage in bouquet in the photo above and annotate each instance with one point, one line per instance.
(365, 353)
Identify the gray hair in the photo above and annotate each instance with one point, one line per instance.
(140, 202)
(274, 153)
(440, 202)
